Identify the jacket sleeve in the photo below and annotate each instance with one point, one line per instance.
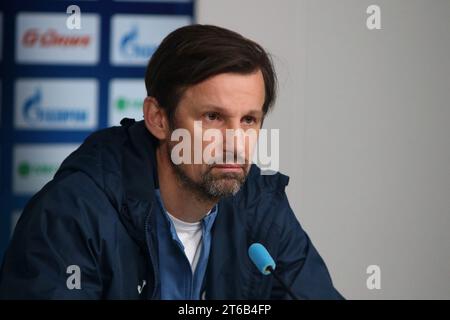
(298, 262)
(52, 254)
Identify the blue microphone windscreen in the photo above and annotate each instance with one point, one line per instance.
(261, 258)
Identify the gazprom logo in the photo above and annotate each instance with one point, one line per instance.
(34, 112)
(135, 37)
(56, 104)
(130, 47)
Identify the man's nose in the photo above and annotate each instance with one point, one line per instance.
(232, 135)
(234, 140)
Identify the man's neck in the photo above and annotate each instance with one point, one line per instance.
(180, 202)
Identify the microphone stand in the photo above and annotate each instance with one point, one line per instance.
(285, 287)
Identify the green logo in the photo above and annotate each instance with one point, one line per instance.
(25, 169)
(124, 103)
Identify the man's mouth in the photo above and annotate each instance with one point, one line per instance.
(229, 167)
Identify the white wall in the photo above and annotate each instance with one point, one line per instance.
(365, 127)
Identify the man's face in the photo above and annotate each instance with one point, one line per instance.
(232, 105)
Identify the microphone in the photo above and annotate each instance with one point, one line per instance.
(266, 265)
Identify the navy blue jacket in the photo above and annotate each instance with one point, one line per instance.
(98, 214)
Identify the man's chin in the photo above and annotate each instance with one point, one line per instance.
(228, 176)
(226, 185)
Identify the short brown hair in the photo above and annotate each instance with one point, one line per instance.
(192, 54)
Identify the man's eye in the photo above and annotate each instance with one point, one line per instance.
(249, 120)
(212, 116)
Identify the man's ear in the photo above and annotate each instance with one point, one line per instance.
(155, 119)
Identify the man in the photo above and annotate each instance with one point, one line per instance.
(123, 219)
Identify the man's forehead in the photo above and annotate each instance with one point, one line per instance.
(228, 91)
(231, 81)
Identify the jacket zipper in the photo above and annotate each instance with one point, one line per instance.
(152, 258)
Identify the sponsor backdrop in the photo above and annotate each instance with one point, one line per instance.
(58, 83)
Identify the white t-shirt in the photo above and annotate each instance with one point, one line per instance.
(190, 235)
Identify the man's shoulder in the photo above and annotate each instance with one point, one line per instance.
(89, 177)
(263, 199)
(98, 159)
(262, 182)
(72, 196)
